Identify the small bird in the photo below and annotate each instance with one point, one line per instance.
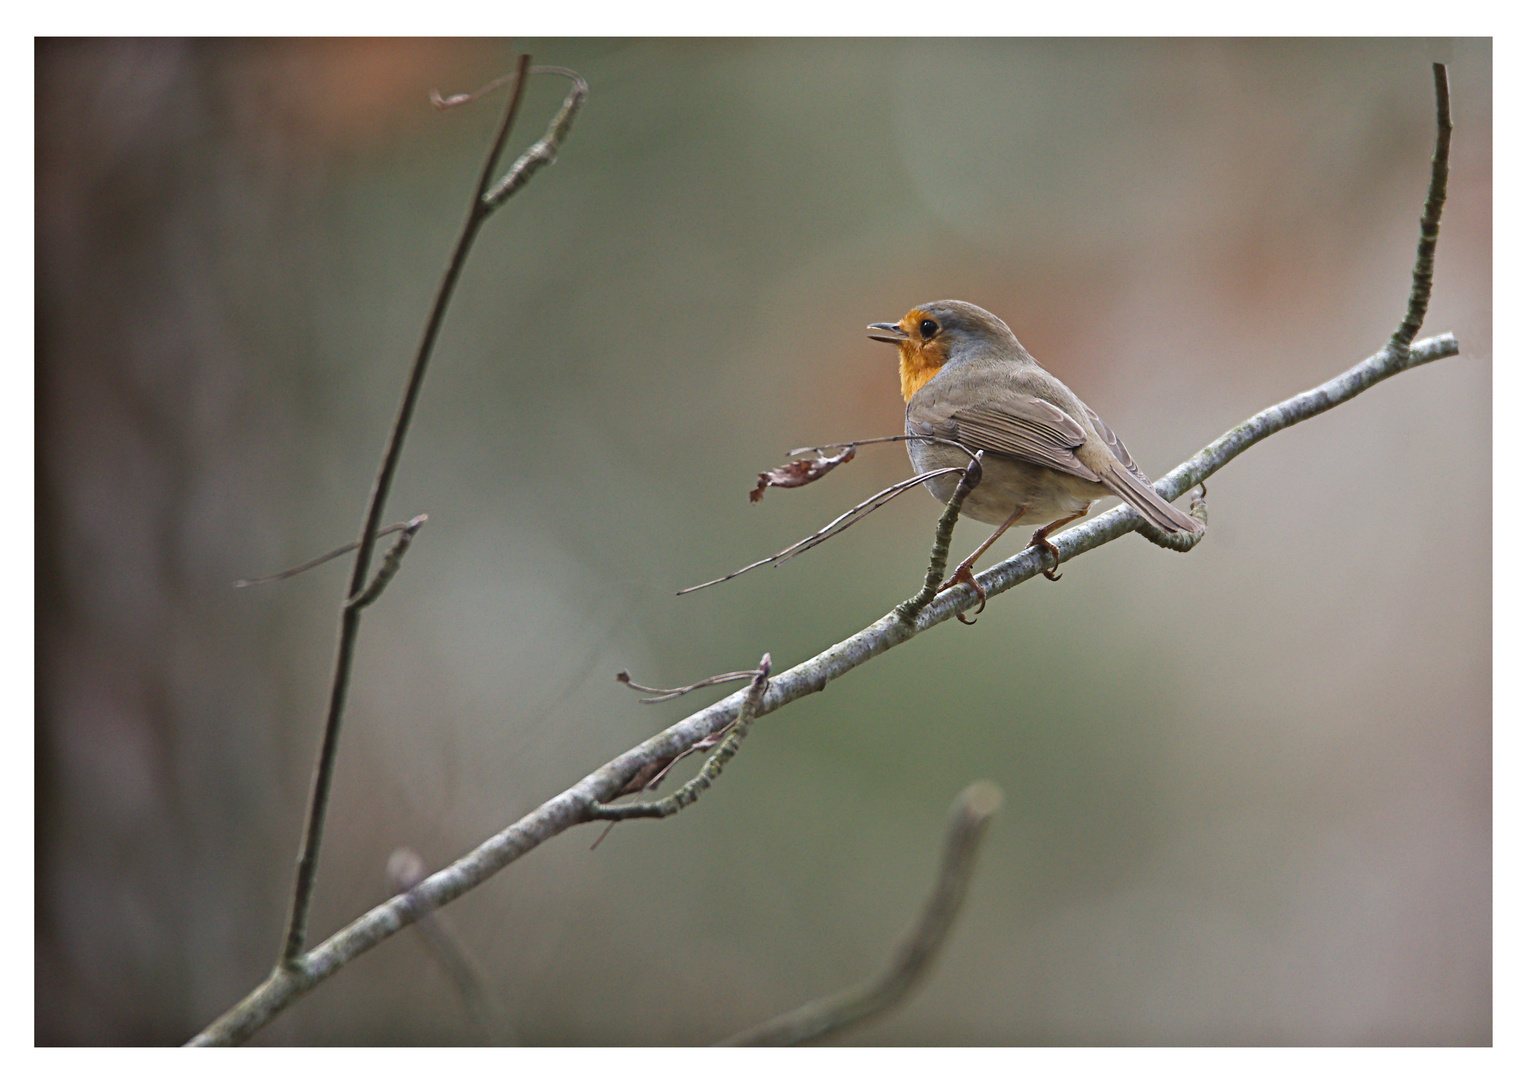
(1047, 456)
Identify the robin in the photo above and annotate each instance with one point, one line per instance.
(1047, 456)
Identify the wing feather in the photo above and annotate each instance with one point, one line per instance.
(1028, 429)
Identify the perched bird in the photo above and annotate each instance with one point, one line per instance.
(1047, 456)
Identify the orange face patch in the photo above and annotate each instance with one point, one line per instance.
(920, 359)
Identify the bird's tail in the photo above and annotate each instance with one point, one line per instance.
(1139, 494)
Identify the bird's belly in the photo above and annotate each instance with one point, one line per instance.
(1006, 484)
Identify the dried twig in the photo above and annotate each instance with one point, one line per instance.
(343, 549)
(323, 774)
(832, 528)
(709, 772)
(391, 564)
(669, 695)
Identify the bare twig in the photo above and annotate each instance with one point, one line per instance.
(709, 772)
(832, 528)
(809, 470)
(323, 773)
(343, 549)
(969, 817)
(668, 695)
(938, 558)
(1431, 220)
(544, 150)
(884, 439)
(390, 565)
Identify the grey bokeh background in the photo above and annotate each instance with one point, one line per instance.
(1248, 790)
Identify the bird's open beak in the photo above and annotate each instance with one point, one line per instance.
(889, 332)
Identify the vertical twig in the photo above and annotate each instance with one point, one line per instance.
(938, 558)
(1431, 221)
(350, 619)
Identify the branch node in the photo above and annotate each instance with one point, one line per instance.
(391, 563)
(544, 150)
(908, 610)
(709, 772)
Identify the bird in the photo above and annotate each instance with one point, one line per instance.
(1046, 455)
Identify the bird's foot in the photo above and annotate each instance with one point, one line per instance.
(1041, 540)
(963, 575)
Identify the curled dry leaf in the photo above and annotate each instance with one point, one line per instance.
(799, 473)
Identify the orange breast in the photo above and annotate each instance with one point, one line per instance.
(919, 363)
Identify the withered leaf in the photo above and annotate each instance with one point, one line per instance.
(799, 473)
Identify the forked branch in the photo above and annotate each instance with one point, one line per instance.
(301, 971)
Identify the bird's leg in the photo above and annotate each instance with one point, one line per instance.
(1041, 539)
(963, 574)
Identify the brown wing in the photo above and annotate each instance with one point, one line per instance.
(1024, 428)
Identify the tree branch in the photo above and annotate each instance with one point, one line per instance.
(571, 807)
(300, 972)
(356, 595)
(971, 813)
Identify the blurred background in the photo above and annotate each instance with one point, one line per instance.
(1248, 790)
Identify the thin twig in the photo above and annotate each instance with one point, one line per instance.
(801, 473)
(323, 773)
(391, 564)
(709, 772)
(969, 817)
(668, 695)
(938, 558)
(885, 439)
(544, 150)
(1431, 220)
(344, 549)
(849, 517)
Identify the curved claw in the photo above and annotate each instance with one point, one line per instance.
(1041, 541)
(964, 576)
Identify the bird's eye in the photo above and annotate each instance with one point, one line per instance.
(928, 328)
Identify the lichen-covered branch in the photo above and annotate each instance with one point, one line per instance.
(690, 792)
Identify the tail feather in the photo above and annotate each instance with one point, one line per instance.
(1138, 493)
